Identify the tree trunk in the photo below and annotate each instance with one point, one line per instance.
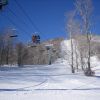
(89, 53)
(7, 56)
(76, 58)
(72, 59)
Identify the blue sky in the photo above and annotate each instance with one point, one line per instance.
(47, 15)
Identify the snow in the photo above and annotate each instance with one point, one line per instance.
(49, 82)
(46, 83)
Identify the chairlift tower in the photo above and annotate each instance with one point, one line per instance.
(49, 52)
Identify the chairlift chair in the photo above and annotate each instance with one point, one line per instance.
(3, 3)
(35, 40)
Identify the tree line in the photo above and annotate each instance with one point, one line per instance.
(13, 52)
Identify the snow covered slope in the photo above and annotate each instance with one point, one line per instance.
(50, 82)
(46, 83)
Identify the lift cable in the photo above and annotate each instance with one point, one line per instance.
(17, 17)
(25, 13)
(13, 23)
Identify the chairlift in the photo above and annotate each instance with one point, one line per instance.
(35, 40)
(13, 36)
(3, 3)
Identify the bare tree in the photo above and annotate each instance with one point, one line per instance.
(4, 48)
(1, 48)
(70, 29)
(8, 45)
(82, 48)
(19, 53)
(76, 34)
(22, 54)
(84, 8)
